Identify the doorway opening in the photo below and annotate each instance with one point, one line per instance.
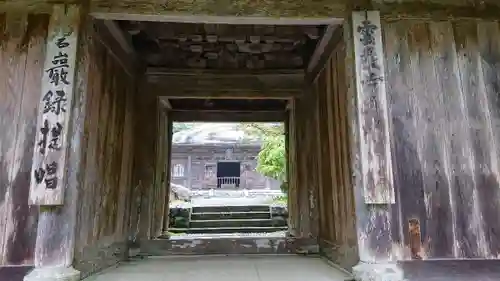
(227, 180)
(203, 73)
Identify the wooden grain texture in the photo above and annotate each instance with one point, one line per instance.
(444, 114)
(56, 94)
(271, 11)
(338, 240)
(293, 207)
(214, 11)
(220, 8)
(372, 103)
(145, 131)
(21, 58)
(107, 141)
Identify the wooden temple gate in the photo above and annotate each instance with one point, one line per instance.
(392, 130)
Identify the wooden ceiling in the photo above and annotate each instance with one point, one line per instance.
(223, 46)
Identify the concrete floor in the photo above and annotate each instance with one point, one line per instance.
(215, 268)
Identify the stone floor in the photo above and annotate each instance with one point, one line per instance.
(223, 268)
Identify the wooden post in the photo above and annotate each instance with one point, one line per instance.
(293, 208)
(168, 165)
(57, 156)
(371, 146)
(49, 158)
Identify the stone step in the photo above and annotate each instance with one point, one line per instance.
(230, 215)
(237, 208)
(235, 223)
(227, 230)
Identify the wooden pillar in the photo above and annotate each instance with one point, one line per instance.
(57, 155)
(293, 209)
(168, 168)
(370, 146)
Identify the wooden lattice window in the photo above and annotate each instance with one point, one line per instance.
(210, 170)
(178, 170)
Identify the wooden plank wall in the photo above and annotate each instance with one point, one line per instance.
(108, 142)
(444, 91)
(337, 234)
(159, 193)
(22, 43)
(304, 183)
(145, 166)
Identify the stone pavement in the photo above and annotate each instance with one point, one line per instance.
(223, 268)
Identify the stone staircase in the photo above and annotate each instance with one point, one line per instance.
(233, 219)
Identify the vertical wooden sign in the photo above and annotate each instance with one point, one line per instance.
(54, 110)
(373, 108)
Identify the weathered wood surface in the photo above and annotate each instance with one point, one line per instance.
(293, 203)
(323, 12)
(373, 113)
(22, 43)
(106, 174)
(56, 95)
(160, 193)
(287, 11)
(175, 84)
(242, 8)
(146, 129)
(205, 10)
(222, 46)
(445, 115)
(336, 199)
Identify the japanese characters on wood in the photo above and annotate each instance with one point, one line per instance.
(48, 171)
(372, 109)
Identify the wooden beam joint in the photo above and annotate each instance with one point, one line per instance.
(333, 35)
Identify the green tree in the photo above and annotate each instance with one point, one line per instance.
(177, 127)
(271, 160)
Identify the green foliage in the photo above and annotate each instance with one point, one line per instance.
(177, 127)
(271, 160)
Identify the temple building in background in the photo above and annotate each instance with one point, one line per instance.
(210, 156)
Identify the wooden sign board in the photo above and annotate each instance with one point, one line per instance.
(54, 113)
(372, 108)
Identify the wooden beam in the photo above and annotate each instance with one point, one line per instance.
(221, 72)
(187, 18)
(221, 12)
(228, 116)
(223, 84)
(220, 93)
(284, 12)
(427, 11)
(118, 44)
(323, 51)
(246, 12)
(227, 80)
